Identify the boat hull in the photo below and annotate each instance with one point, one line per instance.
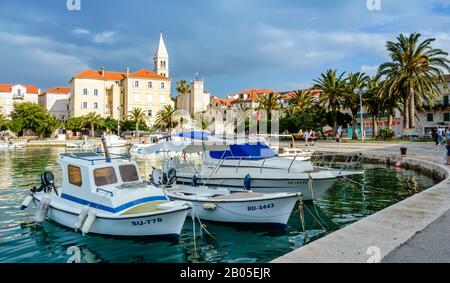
(167, 224)
(320, 186)
(273, 212)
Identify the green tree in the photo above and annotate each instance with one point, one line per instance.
(166, 118)
(92, 121)
(31, 115)
(355, 82)
(414, 73)
(2, 121)
(74, 124)
(110, 124)
(311, 118)
(15, 126)
(332, 88)
(137, 115)
(182, 87)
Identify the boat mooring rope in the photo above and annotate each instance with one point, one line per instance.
(321, 222)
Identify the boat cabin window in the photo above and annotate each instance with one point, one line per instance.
(105, 176)
(129, 173)
(75, 175)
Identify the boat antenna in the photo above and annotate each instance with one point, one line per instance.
(105, 147)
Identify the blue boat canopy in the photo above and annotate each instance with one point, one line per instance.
(257, 151)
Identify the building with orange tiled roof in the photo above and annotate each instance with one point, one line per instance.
(115, 94)
(12, 93)
(56, 101)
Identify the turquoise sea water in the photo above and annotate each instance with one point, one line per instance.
(344, 204)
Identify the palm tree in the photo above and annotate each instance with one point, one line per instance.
(269, 103)
(92, 120)
(332, 88)
(166, 118)
(355, 82)
(414, 73)
(201, 121)
(53, 124)
(182, 87)
(302, 99)
(373, 101)
(137, 115)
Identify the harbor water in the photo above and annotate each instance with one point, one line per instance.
(345, 203)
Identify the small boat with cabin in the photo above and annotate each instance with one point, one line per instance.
(105, 195)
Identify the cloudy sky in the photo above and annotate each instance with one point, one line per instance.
(233, 44)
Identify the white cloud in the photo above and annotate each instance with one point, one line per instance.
(105, 37)
(81, 31)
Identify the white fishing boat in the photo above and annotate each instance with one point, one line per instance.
(82, 145)
(255, 166)
(115, 141)
(11, 145)
(222, 204)
(104, 195)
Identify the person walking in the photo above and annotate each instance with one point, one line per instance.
(312, 136)
(434, 135)
(440, 135)
(447, 136)
(307, 137)
(339, 134)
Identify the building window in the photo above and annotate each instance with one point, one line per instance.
(75, 176)
(19, 92)
(446, 100)
(95, 105)
(84, 105)
(149, 113)
(85, 91)
(150, 85)
(163, 85)
(430, 117)
(136, 84)
(96, 92)
(446, 117)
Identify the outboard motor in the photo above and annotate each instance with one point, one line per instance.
(161, 178)
(47, 183)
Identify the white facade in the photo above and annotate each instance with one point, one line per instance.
(161, 59)
(196, 100)
(10, 94)
(56, 101)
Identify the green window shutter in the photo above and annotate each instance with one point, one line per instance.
(430, 117)
(446, 117)
(445, 100)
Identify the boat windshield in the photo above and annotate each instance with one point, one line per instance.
(105, 176)
(257, 151)
(129, 173)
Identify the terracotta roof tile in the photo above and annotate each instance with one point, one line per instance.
(144, 73)
(8, 87)
(58, 90)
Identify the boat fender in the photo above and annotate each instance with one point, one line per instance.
(26, 202)
(209, 206)
(83, 214)
(42, 210)
(89, 221)
(194, 181)
(247, 182)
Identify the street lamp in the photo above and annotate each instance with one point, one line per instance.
(361, 92)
